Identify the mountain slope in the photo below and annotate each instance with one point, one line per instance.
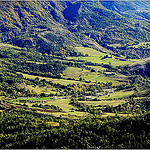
(56, 27)
(141, 67)
(139, 9)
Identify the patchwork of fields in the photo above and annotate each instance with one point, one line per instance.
(80, 76)
(99, 57)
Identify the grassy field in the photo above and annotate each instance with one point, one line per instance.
(96, 57)
(70, 110)
(111, 103)
(96, 77)
(87, 75)
(89, 51)
(38, 89)
(37, 99)
(60, 81)
(117, 95)
(116, 62)
(62, 103)
(73, 72)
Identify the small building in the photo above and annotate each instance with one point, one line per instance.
(110, 90)
(110, 73)
(54, 97)
(88, 97)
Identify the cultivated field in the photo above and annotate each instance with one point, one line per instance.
(117, 95)
(89, 51)
(97, 57)
(60, 81)
(67, 109)
(102, 103)
(72, 72)
(39, 89)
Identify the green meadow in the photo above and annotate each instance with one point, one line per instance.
(60, 81)
(89, 51)
(97, 57)
(102, 103)
(62, 103)
(117, 95)
(73, 72)
(85, 75)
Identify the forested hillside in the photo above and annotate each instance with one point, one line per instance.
(132, 9)
(55, 26)
(74, 74)
(26, 130)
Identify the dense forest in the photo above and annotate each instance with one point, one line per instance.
(74, 75)
(53, 28)
(20, 129)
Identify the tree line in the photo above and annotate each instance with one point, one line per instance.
(20, 129)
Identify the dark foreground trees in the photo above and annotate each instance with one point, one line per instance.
(20, 129)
